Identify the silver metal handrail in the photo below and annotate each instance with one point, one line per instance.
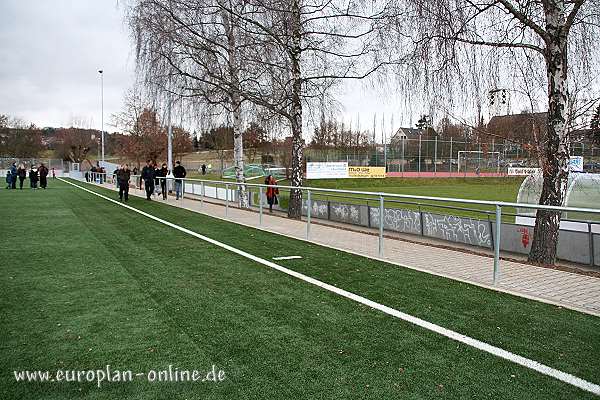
(381, 196)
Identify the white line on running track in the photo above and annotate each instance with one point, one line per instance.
(497, 351)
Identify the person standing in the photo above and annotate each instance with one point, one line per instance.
(13, 176)
(203, 169)
(179, 172)
(162, 174)
(53, 173)
(8, 179)
(43, 171)
(33, 177)
(123, 174)
(22, 174)
(272, 192)
(148, 177)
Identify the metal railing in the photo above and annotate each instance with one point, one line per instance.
(381, 199)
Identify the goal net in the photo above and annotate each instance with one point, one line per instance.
(478, 161)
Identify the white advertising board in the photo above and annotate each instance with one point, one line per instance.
(326, 170)
(520, 171)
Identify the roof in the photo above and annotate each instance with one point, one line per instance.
(518, 125)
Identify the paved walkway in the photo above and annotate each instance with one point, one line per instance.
(570, 290)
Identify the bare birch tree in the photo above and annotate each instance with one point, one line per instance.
(460, 46)
(306, 47)
(193, 48)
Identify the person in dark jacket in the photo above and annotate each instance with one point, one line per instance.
(272, 192)
(13, 176)
(43, 171)
(203, 169)
(179, 172)
(148, 177)
(8, 179)
(123, 174)
(33, 177)
(162, 173)
(22, 174)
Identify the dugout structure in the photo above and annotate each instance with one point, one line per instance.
(583, 191)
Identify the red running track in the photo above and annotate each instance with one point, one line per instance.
(441, 174)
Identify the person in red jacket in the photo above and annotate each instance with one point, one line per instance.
(272, 192)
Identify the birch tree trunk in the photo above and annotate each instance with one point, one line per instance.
(236, 103)
(295, 203)
(555, 156)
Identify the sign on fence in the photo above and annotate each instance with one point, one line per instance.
(519, 171)
(326, 170)
(366, 172)
(576, 164)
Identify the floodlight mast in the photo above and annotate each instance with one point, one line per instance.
(169, 138)
(101, 72)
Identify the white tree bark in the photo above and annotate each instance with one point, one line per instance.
(236, 109)
(295, 204)
(555, 155)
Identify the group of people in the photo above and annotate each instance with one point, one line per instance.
(155, 182)
(154, 178)
(36, 175)
(100, 171)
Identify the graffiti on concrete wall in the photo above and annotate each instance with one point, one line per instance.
(399, 220)
(345, 213)
(457, 229)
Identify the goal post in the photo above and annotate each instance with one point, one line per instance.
(475, 160)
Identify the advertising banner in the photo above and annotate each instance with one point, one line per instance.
(520, 171)
(366, 172)
(326, 170)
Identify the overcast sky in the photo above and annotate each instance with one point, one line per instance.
(52, 50)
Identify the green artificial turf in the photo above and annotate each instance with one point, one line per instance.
(87, 283)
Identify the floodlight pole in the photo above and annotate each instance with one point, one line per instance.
(169, 138)
(101, 72)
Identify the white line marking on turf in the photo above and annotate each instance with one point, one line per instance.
(286, 258)
(497, 351)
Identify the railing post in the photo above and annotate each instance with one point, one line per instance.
(260, 205)
(201, 194)
(182, 189)
(308, 208)
(227, 199)
(591, 244)
(381, 211)
(497, 244)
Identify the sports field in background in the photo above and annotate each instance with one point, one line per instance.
(492, 189)
(86, 283)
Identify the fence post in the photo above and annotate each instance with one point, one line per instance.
(182, 190)
(497, 243)
(381, 211)
(435, 157)
(450, 161)
(591, 241)
(308, 208)
(260, 205)
(402, 161)
(227, 199)
(201, 194)
(419, 155)
(421, 221)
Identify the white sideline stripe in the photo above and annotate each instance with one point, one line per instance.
(286, 258)
(497, 351)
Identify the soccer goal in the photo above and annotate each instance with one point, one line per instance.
(478, 161)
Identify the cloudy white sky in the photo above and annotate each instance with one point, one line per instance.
(51, 52)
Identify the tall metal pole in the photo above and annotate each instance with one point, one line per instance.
(169, 137)
(101, 72)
